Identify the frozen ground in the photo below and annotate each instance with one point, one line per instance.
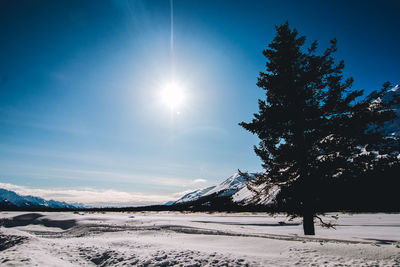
(194, 239)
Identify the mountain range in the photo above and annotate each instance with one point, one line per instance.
(12, 200)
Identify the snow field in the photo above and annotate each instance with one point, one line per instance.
(194, 239)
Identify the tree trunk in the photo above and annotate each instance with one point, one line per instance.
(308, 223)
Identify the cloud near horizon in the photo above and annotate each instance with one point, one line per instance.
(94, 197)
(200, 181)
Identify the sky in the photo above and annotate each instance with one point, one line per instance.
(82, 112)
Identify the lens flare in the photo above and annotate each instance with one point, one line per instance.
(172, 95)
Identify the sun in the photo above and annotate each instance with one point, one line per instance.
(172, 95)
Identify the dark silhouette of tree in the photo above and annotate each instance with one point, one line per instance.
(312, 127)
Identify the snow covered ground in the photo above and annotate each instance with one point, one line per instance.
(194, 239)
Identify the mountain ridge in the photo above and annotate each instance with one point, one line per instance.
(234, 188)
(10, 199)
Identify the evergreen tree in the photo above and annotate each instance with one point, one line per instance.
(312, 127)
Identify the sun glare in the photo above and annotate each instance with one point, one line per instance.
(172, 95)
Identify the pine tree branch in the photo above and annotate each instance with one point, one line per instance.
(326, 224)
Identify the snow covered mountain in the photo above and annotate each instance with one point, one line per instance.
(10, 199)
(233, 190)
(234, 187)
(230, 186)
(194, 195)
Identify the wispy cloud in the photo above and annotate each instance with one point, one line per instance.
(94, 197)
(101, 173)
(18, 118)
(102, 167)
(200, 181)
(96, 175)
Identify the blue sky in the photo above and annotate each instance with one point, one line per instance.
(80, 85)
